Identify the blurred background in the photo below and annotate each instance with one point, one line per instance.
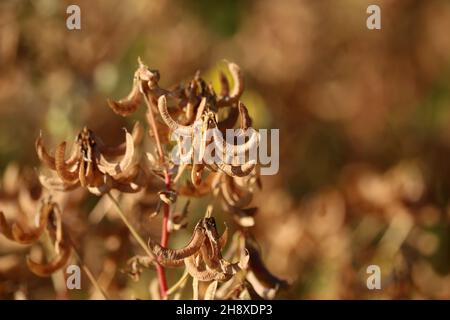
(364, 119)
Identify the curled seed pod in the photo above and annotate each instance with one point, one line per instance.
(171, 263)
(20, 236)
(45, 270)
(128, 105)
(234, 195)
(61, 167)
(230, 149)
(166, 254)
(42, 153)
(172, 124)
(211, 250)
(16, 232)
(238, 87)
(124, 164)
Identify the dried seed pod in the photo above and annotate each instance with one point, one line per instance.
(61, 168)
(46, 269)
(230, 149)
(172, 124)
(42, 153)
(166, 255)
(124, 164)
(234, 195)
(207, 253)
(16, 232)
(238, 87)
(128, 105)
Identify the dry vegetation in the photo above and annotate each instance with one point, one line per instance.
(364, 126)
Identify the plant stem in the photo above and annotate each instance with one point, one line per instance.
(167, 181)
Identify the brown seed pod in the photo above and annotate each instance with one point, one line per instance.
(238, 87)
(230, 149)
(46, 269)
(234, 195)
(115, 168)
(61, 168)
(42, 153)
(16, 232)
(207, 253)
(172, 124)
(166, 255)
(128, 105)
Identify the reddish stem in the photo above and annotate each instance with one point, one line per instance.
(164, 240)
(165, 231)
